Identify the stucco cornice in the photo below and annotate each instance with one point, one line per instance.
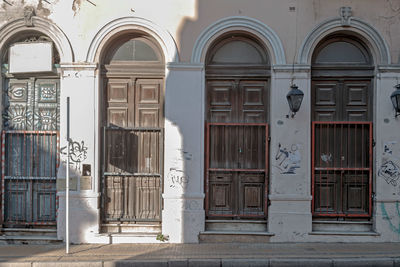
(378, 43)
(186, 66)
(224, 25)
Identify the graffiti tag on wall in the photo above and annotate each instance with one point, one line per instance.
(77, 152)
(392, 224)
(178, 178)
(390, 171)
(390, 168)
(288, 160)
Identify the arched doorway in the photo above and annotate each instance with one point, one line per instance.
(132, 119)
(237, 90)
(342, 83)
(30, 132)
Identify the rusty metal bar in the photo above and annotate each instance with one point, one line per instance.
(21, 157)
(236, 170)
(341, 169)
(313, 166)
(127, 179)
(370, 172)
(3, 158)
(266, 183)
(234, 161)
(207, 172)
(344, 171)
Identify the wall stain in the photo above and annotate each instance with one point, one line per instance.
(76, 6)
(41, 10)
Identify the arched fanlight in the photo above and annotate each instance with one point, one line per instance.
(395, 97)
(294, 98)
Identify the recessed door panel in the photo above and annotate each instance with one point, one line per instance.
(132, 150)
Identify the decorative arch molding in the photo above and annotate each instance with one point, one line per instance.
(111, 29)
(375, 41)
(44, 26)
(246, 24)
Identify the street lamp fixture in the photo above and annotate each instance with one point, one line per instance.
(295, 97)
(395, 97)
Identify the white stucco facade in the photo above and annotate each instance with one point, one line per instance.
(185, 30)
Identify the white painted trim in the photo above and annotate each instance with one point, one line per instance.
(378, 44)
(289, 197)
(246, 24)
(162, 36)
(78, 66)
(184, 196)
(185, 66)
(389, 68)
(41, 25)
(291, 68)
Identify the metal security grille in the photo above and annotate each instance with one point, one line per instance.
(29, 166)
(30, 152)
(342, 169)
(132, 176)
(236, 170)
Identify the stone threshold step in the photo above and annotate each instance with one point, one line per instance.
(236, 221)
(32, 230)
(236, 233)
(133, 234)
(344, 233)
(33, 238)
(131, 224)
(343, 222)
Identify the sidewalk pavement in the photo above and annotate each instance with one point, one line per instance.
(210, 255)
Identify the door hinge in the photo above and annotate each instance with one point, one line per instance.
(373, 143)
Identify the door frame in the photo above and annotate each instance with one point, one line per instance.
(129, 71)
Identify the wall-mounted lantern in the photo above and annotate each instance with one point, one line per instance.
(294, 98)
(395, 97)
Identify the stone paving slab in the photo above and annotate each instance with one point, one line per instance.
(353, 262)
(193, 255)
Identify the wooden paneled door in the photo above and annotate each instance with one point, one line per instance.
(132, 149)
(342, 147)
(236, 148)
(342, 129)
(133, 72)
(30, 152)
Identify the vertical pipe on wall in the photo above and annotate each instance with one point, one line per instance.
(67, 186)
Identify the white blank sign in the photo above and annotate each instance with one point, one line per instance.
(31, 57)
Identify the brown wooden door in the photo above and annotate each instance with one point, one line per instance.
(342, 99)
(241, 101)
(342, 146)
(236, 147)
(133, 142)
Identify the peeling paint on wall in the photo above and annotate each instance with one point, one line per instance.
(76, 6)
